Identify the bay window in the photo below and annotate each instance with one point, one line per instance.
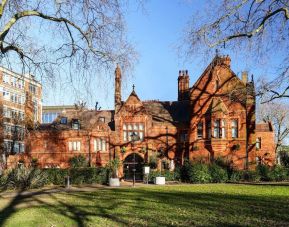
(220, 128)
(100, 144)
(130, 128)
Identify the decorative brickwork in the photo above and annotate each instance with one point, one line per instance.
(214, 118)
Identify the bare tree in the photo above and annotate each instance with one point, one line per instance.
(258, 26)
(46, 35)
(277, 113)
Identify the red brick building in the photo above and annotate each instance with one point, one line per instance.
(213, 118)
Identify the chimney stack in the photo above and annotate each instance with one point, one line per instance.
(245, 77)
(117, 94)
(183, 85)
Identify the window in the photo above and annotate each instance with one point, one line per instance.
(6, 112)
(219, 128)
(35, 110)
(63, 120)
(200, 130)
(234, 128)
(184, 136)
(6, 78)
(50, 117)
(75, 124)
(223, 128)
(74, 146)
(258, 143)
(6, 94)
(32, 88)
(101, 119)
(130, 128)
(100, 144)
(7, 129)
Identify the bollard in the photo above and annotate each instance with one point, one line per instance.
(67, 182)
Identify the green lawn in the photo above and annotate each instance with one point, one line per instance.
(186, 205)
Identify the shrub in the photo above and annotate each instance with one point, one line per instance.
(218, 174)
(225, 164)
(56, 176)
(78, 161)
(199, 173)
(185, 170)
(113, 166)
(169, 175)
(86, 175)
(284, 158)
(263, 171)
(251, 176)
(89, 175)
(236, 176)
(278, 173)
(24, 178)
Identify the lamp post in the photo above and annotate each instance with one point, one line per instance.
(134, 137)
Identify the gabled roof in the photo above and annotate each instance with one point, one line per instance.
(217, 105)
(133, 104)
(224, 62)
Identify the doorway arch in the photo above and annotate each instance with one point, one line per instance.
(133, 162)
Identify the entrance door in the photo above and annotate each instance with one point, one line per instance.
(133, 164)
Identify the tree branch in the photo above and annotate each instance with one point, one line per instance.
(31, 13)
(2, 7)
(256, 30)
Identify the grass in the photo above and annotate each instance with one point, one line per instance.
(185, 205)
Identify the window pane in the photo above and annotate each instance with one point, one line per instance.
(124, 126)
(141, 127)
(135, 126)
(99, 144)
(124, 136)
(129, 127)
(103, 145)
(141, 136)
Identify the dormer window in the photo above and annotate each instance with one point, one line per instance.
(63, 120)
(75, 124)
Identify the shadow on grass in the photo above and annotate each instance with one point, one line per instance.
(169, 206)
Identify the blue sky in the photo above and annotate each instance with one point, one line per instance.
(155, 34)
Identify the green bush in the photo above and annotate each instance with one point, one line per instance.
(77, 175)
(78, 162)
(236, 176)
(263, 171)
(169, 175)
(56, 176)
(185, 171)
(251, 176)
(278, 173)
(23, 178)
(89, 175)
(218, 174)
(199, 173)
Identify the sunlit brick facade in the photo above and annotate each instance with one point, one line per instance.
(213, 118)
(20, 97)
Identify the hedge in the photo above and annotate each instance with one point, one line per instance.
(88, 175)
